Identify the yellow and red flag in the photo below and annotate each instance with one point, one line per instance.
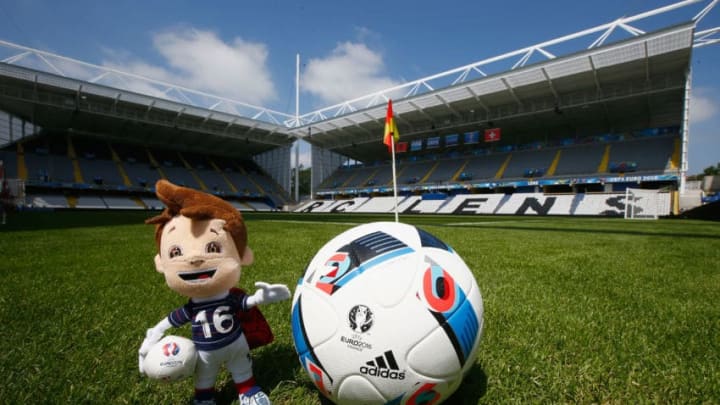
(391, 133)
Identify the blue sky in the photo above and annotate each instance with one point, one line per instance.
(246, 50)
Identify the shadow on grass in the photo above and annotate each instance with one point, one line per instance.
(271, 366)
(473, 387)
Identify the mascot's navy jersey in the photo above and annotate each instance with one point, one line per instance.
(214, 323)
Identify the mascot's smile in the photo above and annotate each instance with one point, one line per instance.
(197, 276)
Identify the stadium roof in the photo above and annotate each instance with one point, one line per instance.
(598, 90)
(53, 101)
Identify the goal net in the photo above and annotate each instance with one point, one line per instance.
(646, 204)
(12, 192)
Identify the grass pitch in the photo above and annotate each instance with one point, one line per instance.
(577, 310)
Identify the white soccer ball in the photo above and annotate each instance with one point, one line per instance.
(387, 313)
(172, 358)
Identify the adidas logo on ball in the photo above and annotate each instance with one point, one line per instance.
(383, 366)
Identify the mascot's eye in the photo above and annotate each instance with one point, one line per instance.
(213, 247)
(175, 251)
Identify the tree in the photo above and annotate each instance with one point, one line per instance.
(304, 181)
(712, 170)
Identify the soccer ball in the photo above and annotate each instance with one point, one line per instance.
(387, 313)
(172, 358)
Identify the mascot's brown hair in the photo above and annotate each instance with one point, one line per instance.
(197, 205)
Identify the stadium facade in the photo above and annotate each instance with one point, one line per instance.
(575, 119)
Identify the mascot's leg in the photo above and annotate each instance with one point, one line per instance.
(206, 371)
(240, 366)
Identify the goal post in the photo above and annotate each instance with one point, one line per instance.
(646, 204)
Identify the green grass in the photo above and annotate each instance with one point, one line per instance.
(576, 310)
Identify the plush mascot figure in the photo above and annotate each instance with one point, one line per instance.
(202, 243)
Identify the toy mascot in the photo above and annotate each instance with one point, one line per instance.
(202, 242)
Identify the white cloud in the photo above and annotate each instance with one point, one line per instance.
(350, 71)
(703, 137)
(702, 108)
(201, 61)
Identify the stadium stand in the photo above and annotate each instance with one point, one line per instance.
(647, 154)
(383, 176)
(208, 174)
(413, 172)
(151, 203)
(47, 162)
(579, 160)
(338, 178)
(122, 203)
(240, 180)
(446, 169)
(87, 170)
(257, 206)
(528, 163)
(363, 176)
(95, 161)
(133, 161)
(47, 201)
(266, 186)
(173, 169)
(485, 166)
(90, 201)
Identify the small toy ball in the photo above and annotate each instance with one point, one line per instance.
(387, 313)
(173, 358)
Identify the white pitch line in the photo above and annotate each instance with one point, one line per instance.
(477, 223)
(486, 223)
(294, 221)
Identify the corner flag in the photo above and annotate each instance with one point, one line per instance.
(391, 133)
(390, 138)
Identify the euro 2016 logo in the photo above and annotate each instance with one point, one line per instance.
(360, 318)
(171, 349)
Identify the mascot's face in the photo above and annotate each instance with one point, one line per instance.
(198, 257)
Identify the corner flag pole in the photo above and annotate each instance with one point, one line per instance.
(394, 177)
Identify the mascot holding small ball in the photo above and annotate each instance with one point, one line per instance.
(202, 242)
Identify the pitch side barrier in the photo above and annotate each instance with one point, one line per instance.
(612, 204)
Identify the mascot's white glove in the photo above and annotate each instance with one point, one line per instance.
(152, 336)
(268, 293)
